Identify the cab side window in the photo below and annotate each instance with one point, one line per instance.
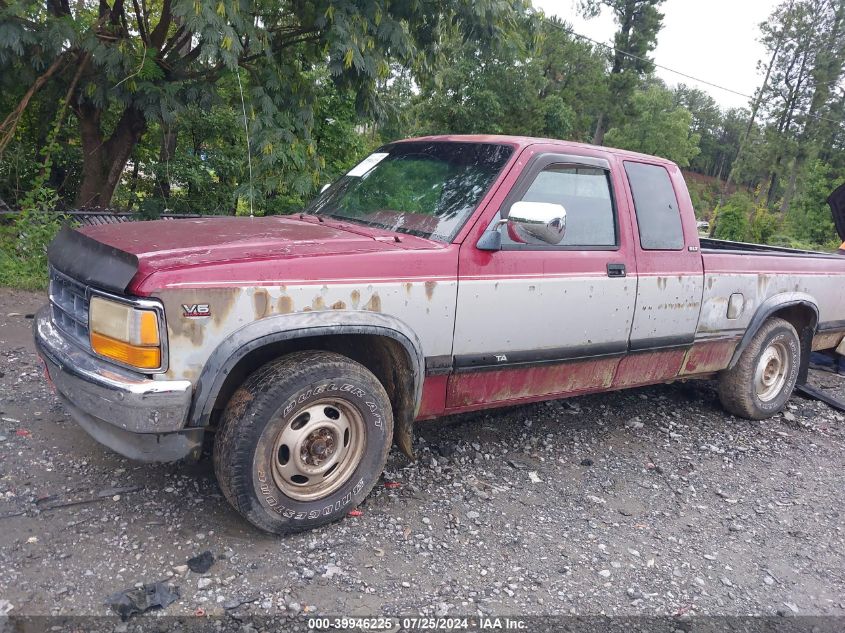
(656, 206)
(585, 194)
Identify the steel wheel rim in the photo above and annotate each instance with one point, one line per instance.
(771, 371)
(318, 449)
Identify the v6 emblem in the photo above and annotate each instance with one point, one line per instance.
(196, 310)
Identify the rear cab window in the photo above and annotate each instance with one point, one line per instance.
(656, 206)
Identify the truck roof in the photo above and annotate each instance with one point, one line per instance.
(521, 142)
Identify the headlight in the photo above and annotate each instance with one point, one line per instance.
(124, 333)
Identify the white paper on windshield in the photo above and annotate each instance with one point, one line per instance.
(367, 164)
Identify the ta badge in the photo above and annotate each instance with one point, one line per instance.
(196, 310)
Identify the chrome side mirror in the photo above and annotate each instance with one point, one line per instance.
(536, 222)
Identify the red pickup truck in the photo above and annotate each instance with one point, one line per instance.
(440, 275)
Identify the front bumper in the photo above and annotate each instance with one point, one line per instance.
(133, 415)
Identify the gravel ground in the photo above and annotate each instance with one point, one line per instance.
(645, 502)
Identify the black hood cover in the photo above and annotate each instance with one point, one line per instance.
(836, 200)
(91, 262)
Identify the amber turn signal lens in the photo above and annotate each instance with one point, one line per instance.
(148, 328)
(141, 357)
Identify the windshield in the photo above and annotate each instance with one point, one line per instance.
(427, 189)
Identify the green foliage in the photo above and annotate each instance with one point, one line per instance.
(732, 219)
(763, 226)
(23, 250)
(704, 193)
(543, 82)
(411, 185)
(742, 220)
(132, 69)
(155, 119)
(657, 127)
(638, 22)
(23, 245)
(809, 215)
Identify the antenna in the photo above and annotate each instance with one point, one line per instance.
(246, 130)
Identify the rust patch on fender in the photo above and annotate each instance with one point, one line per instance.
(318, 303)
(762, 284)
(338, 305)
(708, 356)
(194, 332)
(356, 298)
(284, 305)
(408, 287)
(429, 289)
(643, 368)
(374, 304)
(261, 301)
(221, 302)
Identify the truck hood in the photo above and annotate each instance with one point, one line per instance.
(91, 253)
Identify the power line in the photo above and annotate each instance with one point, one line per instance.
(569, 31)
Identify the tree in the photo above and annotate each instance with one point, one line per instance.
(706, 121)
(121, 67)
(492, 91)
(639, 21)
(545, 82)
(732, 218)
(809, 216)
(657, 126)
(806, 39)
(575, 73)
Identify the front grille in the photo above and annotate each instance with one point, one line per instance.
(69, 306)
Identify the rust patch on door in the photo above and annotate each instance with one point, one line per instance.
(318, 303)
(506, 385)
(355, 297)
(338, 305)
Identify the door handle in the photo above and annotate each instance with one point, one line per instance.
(616, 270)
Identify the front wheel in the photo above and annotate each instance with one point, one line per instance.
(762, 380)
(303, 441)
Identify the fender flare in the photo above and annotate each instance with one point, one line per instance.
(285, 327)
(769, 307)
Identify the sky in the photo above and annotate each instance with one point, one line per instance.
(714, 40)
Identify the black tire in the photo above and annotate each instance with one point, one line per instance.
(253, 460)
(744, 391)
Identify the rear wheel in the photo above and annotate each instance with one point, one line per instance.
(761, 382)
(303, 441)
